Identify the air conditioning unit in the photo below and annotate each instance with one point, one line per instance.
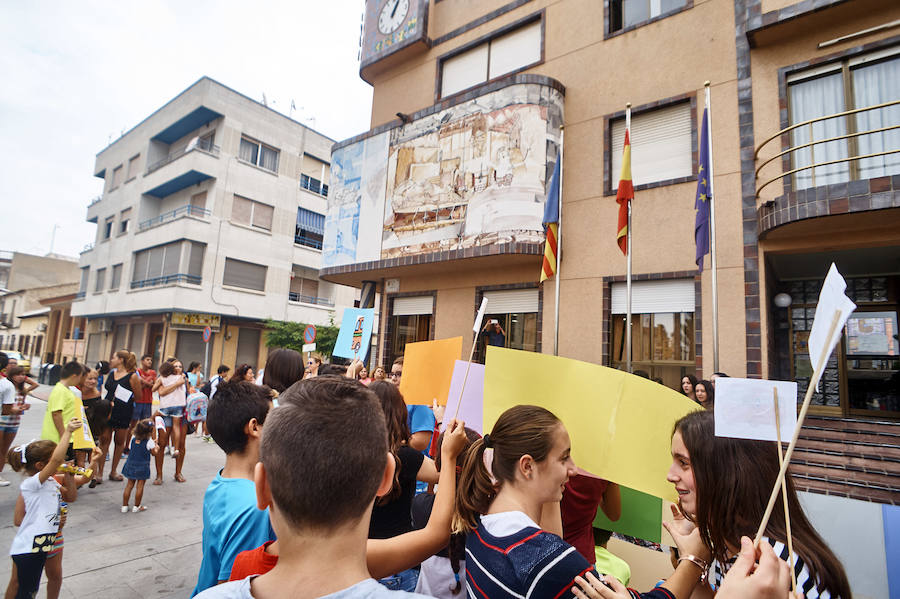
(105, 325)
(42, 327)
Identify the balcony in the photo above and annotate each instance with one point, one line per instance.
(180, 170)
(88, 247)
(308, 299)
(307, 241)
(93, 209)
(202, 145)
(314, 185)
(180, 212)
(167, 280)
(829, 165)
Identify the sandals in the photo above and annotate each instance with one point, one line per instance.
(179, 478)
(95, 482)
(158, 481)
(116, 477)
(138, 508)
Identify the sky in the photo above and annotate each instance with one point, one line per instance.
(76, 75)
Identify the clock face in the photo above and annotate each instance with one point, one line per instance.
(392, 15)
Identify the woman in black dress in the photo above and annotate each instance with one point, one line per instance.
(121, 385)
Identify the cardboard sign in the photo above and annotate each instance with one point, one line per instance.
(428, 370)
(122, 394)
(620, 425)
(470, 409)
(355, 336)
(642, 516)
(745, 408)
(82, 437)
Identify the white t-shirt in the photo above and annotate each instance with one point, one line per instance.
(368, 589)
(507, 523)
(7, 391)
(75, 390)
(41, 522)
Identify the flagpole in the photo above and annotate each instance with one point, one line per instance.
(628, 263)
(562, 134)
(712, 235)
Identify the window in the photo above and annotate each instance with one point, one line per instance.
(198, 201)
(162, 264)
(662, 320)
(107, 227)
(244, 274)
(503, 54)
(116, 278)
(247, 346)
(660, 145)
(516, 311)
(132, 167)
(314, 174)
(410, 322)
(249, 212)
(259, 154)
(873, 79)
(624, 14)
(310, 228)
(82, 287)
(116, 177)
(124, 220)
(101, 280)
(305, 288)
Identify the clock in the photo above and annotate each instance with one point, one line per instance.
(392, 15)
(392, 28)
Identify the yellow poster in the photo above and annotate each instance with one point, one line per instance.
(428, 369)
(82, 437)
(620, 424)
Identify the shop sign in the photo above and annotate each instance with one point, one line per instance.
(195, 321)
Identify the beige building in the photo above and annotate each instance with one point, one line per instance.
(24, 320)
(211, 214)
(440, 203)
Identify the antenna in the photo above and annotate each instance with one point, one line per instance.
(265, 103)
(53, 237)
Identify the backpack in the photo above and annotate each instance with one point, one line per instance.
(197, 404)
(206, 388)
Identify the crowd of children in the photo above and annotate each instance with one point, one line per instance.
(318, 494)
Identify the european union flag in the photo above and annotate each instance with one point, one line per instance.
(704, 196)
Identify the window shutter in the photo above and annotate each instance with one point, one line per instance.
(513, 301)
(155, 261)
(262, 216)
(515, 50)
(116, 277)
(241, 209)
(244, 274)
(410, 306)
(172, 261)
(660, 145)
(464, 70)
(195, 267)
(141, 260)
(198, 200)
(654, 297)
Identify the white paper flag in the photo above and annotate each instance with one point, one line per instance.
(745, 408)
(831, 300)
(480, 317)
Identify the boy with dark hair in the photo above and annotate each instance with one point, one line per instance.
(231, 521)
(322, 533)
(62, 405)
(143, 401)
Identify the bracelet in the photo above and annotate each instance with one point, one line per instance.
(704, 567)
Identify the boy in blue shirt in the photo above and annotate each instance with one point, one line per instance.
(231, 521)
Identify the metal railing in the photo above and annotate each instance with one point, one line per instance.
(88, 247)
(308, 241)
(95, 200)
(186, 210)
(167, 280)
(313, 185)
(309, 299)
(811, 145)
(204, 145)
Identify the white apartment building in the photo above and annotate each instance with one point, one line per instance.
(212, 214)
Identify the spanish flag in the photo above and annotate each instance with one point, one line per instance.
(624, 195)
(551, 225)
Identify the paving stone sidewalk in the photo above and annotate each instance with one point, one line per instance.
(109, 554)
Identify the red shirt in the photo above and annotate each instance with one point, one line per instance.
(146, 390)
(253, 562)
(578, 509)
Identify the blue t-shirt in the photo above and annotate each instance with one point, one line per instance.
(420, 418)
(231, 523)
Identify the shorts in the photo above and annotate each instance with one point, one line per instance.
(142, 411)
(8, 427)
(168, 413)
(57, 546)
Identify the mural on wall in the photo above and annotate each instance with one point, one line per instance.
(358, 182)
(470, 175)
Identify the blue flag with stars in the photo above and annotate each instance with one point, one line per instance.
(704, 196)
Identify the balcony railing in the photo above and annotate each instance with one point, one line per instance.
(853, 154)
(167, 280)
(313, 185)
(204, 145)
(308, 299)
(186, 210)
(79, 295)
(308, 241)
(88, 247)
(95, 200)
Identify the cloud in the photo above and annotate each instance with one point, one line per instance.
(77, 75)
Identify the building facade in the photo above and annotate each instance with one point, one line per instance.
(440, 203)
(212, 215)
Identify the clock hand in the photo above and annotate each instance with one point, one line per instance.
(396, 4)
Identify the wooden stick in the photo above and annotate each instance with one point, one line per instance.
(817, 373)
(784, 496)
(466, 377)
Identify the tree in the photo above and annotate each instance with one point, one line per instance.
(290, 335)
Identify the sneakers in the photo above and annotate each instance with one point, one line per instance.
(167, 450)
(138, 508)
(3, 482)
(124, 509)
(207, 438)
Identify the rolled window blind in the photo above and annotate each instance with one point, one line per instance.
(654, 297)
(513, 301)
(244, 274)
(660, 145)
(410, 306)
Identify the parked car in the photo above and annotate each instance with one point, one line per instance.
(18, 357)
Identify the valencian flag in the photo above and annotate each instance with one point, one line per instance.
(704, 197)
(624, 195)
(551, 225)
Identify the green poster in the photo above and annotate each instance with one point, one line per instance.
(641, 516)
